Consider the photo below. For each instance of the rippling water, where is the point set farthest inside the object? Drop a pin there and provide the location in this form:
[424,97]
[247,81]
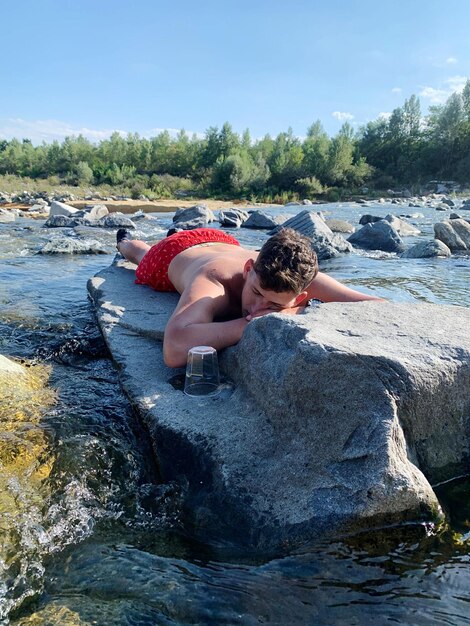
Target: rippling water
[90,534]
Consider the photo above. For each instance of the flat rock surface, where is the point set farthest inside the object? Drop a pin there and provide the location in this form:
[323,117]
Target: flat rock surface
[338,419]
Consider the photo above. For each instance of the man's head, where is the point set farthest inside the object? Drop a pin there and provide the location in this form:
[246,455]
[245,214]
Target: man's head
[284,268]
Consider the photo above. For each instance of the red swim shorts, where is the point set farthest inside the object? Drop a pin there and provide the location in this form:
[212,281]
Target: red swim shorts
[153,269]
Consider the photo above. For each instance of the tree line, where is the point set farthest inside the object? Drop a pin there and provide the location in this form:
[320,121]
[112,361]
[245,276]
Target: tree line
[402,149]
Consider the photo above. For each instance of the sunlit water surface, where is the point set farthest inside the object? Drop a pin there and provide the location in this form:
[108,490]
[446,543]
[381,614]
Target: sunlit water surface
[89,533]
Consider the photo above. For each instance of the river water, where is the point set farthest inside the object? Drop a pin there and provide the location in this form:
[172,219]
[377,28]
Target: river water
[91,535]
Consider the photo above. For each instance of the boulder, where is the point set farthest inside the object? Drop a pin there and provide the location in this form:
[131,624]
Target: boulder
[339,430]
[340,226]
[368,219]
[115,220]
[326,244]
[442,207]
[95,212]
[69,245]
[197,216]
[307,202]
[61,221]
[60,208]
[378,236]
[232,218]
[259,219]
[404,229]
[448,201]
[427,249]
[454,233]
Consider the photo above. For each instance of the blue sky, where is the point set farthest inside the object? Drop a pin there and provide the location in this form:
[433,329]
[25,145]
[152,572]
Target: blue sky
[94,66]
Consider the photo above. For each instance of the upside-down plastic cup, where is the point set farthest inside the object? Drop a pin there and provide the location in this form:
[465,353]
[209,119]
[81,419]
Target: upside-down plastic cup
[202,372]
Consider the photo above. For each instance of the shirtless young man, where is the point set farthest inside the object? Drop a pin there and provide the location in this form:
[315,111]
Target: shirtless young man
[223,286]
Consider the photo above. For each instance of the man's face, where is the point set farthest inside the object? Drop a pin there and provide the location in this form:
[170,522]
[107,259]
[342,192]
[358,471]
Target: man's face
[256,299]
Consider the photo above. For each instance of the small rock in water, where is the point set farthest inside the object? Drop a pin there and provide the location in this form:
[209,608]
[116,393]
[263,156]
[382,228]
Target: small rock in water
[68,245]
[427,249]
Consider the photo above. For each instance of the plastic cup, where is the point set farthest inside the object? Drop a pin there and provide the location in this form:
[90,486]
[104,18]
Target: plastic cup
[202,372]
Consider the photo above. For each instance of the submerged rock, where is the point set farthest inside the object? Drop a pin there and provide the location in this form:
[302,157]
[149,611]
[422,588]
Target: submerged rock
[69,245]
[355,411]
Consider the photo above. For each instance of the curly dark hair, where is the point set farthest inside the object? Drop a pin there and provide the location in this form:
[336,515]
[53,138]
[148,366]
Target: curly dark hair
[286,262]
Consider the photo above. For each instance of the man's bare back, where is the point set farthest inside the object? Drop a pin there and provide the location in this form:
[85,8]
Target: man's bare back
[221,293]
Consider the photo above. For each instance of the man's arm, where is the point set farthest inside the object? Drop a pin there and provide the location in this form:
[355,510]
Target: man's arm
[192,322]
[327,289]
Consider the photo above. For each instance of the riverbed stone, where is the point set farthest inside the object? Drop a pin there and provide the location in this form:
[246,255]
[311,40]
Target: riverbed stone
[378,236]
[60,208]
[403,228]
[367,218]
[325,242]
[454,233]
[427,249]
[114,220]
[198,216]
[61,221]
[71,245]
[356,409]
[232,218]
[340,226]
[261,220]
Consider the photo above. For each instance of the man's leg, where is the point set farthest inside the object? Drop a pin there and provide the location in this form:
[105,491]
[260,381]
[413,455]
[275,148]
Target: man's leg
[133,250]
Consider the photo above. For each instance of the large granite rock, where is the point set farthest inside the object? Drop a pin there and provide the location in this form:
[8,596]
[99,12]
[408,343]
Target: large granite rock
[325,242]
[378,236]
[339,419]
[198,216]
[454,233]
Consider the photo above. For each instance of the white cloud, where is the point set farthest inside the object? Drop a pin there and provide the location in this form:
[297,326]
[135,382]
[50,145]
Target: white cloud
[451,85]
[342,116]
[385,115]
[451,60]
[456,83]
[397,90]
[49,130]
[435,96]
